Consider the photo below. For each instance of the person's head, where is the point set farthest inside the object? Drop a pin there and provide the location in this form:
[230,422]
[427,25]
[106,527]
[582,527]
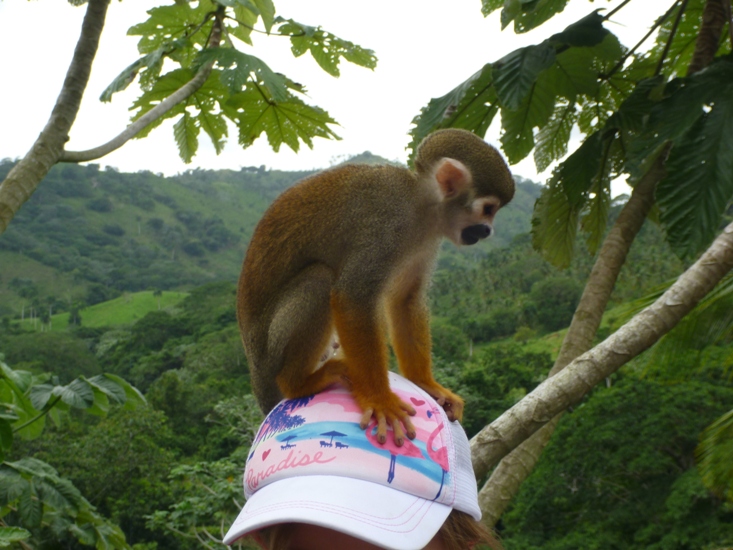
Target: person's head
[313,472]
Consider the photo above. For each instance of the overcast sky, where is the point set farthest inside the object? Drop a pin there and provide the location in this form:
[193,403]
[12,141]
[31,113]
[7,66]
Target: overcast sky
[424,49]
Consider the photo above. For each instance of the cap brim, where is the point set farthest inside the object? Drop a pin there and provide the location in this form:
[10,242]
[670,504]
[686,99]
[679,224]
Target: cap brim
[365,510]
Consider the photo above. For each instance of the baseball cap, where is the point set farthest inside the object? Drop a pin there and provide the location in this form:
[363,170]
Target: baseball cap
[311,463]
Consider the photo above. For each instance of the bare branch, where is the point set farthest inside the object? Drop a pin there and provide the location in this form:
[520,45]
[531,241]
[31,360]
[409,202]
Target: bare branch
[631,52]
[571,384]
[180,95]
[672,33]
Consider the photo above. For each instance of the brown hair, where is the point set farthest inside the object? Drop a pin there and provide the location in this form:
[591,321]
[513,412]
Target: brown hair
[459,532]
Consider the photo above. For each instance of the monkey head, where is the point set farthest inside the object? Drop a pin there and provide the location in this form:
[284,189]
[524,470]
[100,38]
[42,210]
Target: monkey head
[472,179]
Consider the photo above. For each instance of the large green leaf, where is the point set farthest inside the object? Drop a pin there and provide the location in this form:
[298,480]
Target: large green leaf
[33,467]
[535,12]
[78,394]
[19,380]
[699,182]
[583,176]
[11,535]
[671,118]
[11,484]
[58,493]
[713,456]
[168,23]
[572,73]
[239,68]
[245,15]
[634,111]
[40,395]
[287,122]
[579,171]
[325,48]
[152,63]
[186,132]
[7,411]
[30,507]
[510,11]
[515,74]
[595,218]
[553,137]
[133,396]
[587,31]
[443,111]
[555,225]
[113,390]
[165,86]
[518,124]
[267,12]
[13,385]
[490,6]
[476,111]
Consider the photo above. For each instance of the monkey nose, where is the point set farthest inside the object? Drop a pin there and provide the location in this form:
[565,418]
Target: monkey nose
[473,233]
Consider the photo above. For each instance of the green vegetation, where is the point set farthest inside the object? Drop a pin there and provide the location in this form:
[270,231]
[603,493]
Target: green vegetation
[42,506]
[124,310]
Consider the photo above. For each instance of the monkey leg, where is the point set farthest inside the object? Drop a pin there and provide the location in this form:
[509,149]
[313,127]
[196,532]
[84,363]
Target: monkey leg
[301,329]
[365,361]
[409,323]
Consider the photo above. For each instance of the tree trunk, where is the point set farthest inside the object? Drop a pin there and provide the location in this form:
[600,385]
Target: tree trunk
[714,18]
[25,176]
[506,479]
[514,468]
[572,383]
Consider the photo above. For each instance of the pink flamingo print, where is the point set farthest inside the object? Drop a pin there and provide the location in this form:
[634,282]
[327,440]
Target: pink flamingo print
[438,455]
[407,449]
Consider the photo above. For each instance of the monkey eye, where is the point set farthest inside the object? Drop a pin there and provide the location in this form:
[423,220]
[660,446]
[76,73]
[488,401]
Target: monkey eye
[489,209]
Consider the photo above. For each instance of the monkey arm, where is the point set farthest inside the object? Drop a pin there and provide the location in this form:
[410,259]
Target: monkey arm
[409,322]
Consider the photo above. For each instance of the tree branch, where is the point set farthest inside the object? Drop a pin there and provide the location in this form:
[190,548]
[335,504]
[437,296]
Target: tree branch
[25,176]
[714,18]
[570,385]
[672,33]
[180,95]
[498,491]
[631,52]
[615,10]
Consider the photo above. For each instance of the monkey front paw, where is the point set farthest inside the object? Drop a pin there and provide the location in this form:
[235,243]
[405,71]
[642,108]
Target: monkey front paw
[451,403]
[390,412]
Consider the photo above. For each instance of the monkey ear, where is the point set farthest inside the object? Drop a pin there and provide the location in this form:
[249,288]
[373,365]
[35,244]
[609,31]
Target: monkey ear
[452,177]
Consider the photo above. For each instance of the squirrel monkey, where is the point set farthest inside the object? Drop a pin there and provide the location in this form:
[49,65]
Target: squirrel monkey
[351,250]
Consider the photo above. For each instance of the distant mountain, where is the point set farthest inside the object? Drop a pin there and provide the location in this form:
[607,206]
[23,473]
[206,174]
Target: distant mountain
[87,234]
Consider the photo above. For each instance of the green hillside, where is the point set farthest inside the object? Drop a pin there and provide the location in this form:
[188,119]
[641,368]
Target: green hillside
[88,235]
[124,310]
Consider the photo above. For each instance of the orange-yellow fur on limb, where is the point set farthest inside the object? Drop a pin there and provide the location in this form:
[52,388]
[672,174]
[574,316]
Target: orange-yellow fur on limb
[347,254]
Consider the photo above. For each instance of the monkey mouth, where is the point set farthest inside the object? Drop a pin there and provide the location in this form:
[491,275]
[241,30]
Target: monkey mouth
[474,233]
